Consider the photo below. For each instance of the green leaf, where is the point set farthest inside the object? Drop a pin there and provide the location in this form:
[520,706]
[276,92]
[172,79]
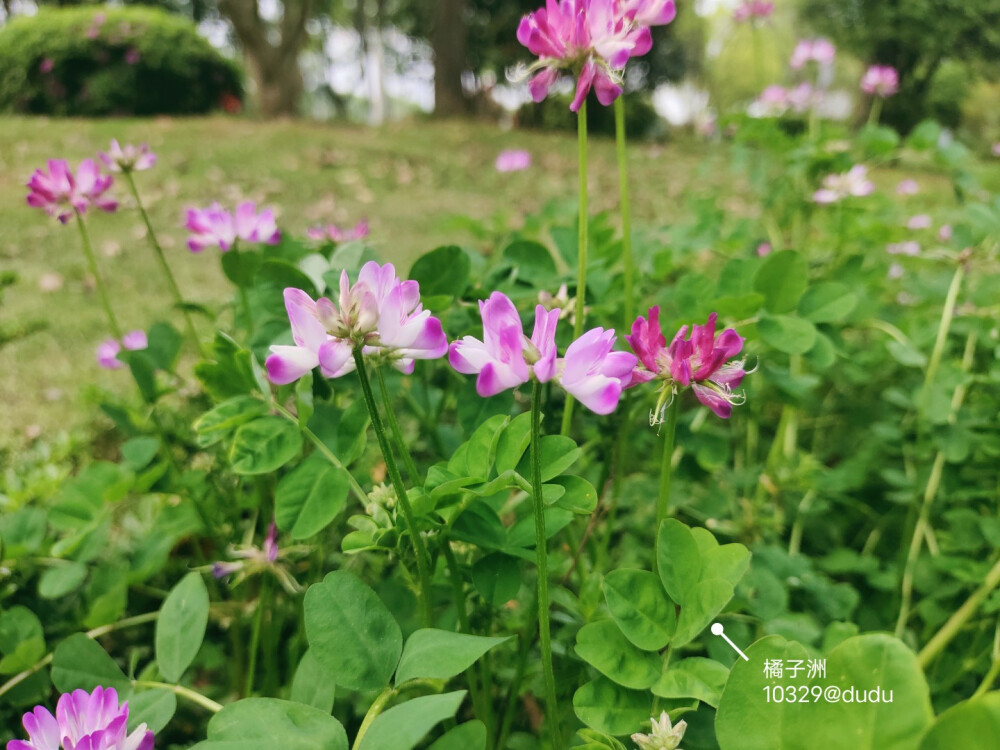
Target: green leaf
[965,725]
[532,259]
[351,632]
[22,639]
[468,736]
[403,726]
[440,654]
[240,266]
[264,445]
[782,279]
[61,580]
[558,453]
[700,606]
[610,708]
[579,495]
[497,578]
[787,334]
[603,645]
[827,302]
[312,685]
[694,677]
[640,608]
[443,271]
[140,451]
[180,628]
[154,708]
[513,442]
[310,496]
[266,723]
[678,559]
[217,423]
[81,663]
[164,344]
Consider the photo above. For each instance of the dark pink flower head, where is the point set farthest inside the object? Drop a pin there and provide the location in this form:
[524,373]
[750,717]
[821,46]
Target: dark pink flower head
[132,57]
[216,227]
[592,39]
[107,350]
[705,362]
[512,160]
[820,51]
[333,233]
[880,80]
[753,10]
[83,721]
[47,65]
[649,12]
[60,192]
[506,358]
[128,158]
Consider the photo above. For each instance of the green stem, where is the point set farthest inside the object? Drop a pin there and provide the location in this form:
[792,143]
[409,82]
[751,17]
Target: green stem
[164,266]
[183,692]
[419,549]
[667,461]
[541,553]
[102,292]
[262,604]
[992,672]
[581,248]
[950,629]
[875,111]
[373,711]
[944,326]
[624,201]
[397,434]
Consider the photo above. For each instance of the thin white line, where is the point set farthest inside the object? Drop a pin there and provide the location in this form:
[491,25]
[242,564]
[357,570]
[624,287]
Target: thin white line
[738,651]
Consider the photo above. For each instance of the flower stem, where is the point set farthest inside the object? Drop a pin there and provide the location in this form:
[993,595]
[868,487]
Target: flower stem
[620,136]
[667,461]
[581,248]
[162,259]
[876,111]
[397,434]
[183,692]
[102,291]
[263,597]
[541,553]
[944,326]
[373,711]
[419,549]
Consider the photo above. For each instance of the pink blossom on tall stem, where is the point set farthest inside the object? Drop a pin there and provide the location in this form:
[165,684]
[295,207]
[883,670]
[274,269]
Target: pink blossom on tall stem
[214,226]
[837,187]
[753,10]
[820,51]
[313,347]
[880,80]
[335,234]
[60,192]
[83,721]
[705,362]
[108,350]
[512,160]
[128,158]
[505,358]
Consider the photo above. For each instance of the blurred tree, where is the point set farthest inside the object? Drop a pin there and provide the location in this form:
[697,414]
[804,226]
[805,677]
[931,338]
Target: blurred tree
[915,37]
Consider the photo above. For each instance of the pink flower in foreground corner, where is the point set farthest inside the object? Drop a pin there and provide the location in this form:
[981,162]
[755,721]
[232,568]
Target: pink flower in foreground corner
[60,192]
[836,187]
[128,158]
[333,233]
[880,80]
[512,160]
[107,350]
[83,721]
[380,313]
[705,362]
[505,358]
[214,226]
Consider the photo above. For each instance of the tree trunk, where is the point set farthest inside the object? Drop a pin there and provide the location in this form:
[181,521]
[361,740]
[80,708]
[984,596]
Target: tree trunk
[449,44]
[273,59]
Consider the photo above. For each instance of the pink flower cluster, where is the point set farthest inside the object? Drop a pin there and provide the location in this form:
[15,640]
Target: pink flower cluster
[512,160]
[776,100]
[214,226]
[590,371]
[335,234]
[705,362]
[837,187]
[820,51]
[128,158]
[60,192]
[593,39]
[752,10]
[880,80]
[379,313]
[108,350]
[83,721]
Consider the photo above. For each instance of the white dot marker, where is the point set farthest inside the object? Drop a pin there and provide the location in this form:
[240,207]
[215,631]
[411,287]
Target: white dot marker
[718,629]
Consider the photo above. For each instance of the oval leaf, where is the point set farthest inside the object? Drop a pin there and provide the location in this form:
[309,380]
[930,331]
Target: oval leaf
[603,645]
[440,654]
[264,445]
[610,708]
[180,628]
[640,607]
[310,496]
[403,726]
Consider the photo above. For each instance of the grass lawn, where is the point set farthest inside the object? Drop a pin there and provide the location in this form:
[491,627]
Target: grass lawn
[408,180]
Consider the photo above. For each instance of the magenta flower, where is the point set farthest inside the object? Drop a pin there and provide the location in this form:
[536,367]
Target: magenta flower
[214,226]
[132,57]
[107,350]
[60,192]
[819,51]
[907,187]
[505,358]
[47,65]
[593,39]
[249,560]
[512,160]
[753,10]
[764,249]
[380,313]
[337,235]
[705,362]
[649,12]
[880,80]
[837,187]
[83,721]
[128,158]
[802,97]
[920,221]
[945,232]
